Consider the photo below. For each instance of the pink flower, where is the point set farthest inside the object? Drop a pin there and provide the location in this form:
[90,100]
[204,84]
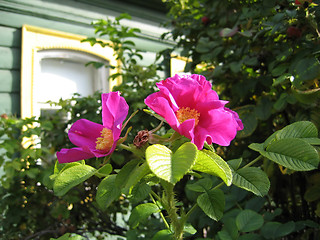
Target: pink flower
[93,139]
[194,110]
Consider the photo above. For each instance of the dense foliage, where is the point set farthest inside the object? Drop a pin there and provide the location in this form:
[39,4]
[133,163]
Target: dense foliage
[262,56]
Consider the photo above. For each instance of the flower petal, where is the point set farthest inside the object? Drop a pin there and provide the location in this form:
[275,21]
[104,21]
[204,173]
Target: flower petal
[114,110]
[158,103]
[219,127]
[73,155]
[85,133]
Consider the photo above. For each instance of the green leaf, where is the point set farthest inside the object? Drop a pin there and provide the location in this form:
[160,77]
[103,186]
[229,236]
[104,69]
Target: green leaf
[248,221]
[306,69]
[122,176]
[135,176]
[104,170]
[281,79]
[141,212]
[249,120]
[164,234]
[263,108]
[211,163]
[292,153]
[228,32]
[301,129]
[140,192]
[68,236]
[189,229]
[171,167]
[235,163]
[250,236]
[279,70]
[202,185]
[107,192]
[229,230]
[276,230]
[252,179]
[71,177]
[312,193]
[212,203]
[290,146]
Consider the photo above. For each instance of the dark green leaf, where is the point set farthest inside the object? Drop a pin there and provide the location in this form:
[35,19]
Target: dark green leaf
[248,221]
[252,179]
[292,153]
[212,203]
[276,230]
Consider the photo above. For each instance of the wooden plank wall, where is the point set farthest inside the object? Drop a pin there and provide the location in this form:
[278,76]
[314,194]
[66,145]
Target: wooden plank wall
[10,58]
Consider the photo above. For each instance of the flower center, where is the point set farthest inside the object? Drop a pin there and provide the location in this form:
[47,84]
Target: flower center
[105,142]
[186,113]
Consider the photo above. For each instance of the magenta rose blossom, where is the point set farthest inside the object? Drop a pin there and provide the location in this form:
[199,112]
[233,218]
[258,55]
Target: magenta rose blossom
[194,110]
[93,139]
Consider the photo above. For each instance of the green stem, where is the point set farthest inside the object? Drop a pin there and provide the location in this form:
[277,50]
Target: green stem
[123,146]
[253,161]
[170,206]
[161,214]
[191,210]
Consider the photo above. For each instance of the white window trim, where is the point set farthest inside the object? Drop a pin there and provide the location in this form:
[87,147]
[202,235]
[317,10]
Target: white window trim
[35,40]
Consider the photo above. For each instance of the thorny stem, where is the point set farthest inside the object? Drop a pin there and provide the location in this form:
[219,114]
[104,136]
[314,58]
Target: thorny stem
[170,205]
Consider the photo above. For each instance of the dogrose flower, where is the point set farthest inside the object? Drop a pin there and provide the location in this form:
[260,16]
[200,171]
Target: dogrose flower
[93,139]
[194,110]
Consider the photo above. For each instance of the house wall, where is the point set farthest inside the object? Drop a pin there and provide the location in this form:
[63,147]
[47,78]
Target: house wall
[70,16]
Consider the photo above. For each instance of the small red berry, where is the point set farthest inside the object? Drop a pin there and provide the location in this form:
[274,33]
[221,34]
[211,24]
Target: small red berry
[205,20]
[301,2]
[293,32]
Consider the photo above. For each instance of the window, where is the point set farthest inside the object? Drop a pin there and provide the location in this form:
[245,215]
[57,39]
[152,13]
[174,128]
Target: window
[53,67]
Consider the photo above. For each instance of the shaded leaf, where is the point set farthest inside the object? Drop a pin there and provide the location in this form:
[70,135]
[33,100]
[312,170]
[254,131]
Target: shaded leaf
[252,179]
[248,221]
[275,230]
[212,203]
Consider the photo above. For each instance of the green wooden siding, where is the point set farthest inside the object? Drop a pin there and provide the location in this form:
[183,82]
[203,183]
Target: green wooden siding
[10,61]
[10,81]
[68,16]
[10,37]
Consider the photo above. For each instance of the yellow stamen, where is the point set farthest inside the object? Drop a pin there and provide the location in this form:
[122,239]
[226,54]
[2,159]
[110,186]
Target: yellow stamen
[186,113]
[105,142]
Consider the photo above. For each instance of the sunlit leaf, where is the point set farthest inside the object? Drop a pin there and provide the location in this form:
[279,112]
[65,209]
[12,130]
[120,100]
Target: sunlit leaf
[168,166]
[141,212]
[71,177]
[107,192]
[211,163]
